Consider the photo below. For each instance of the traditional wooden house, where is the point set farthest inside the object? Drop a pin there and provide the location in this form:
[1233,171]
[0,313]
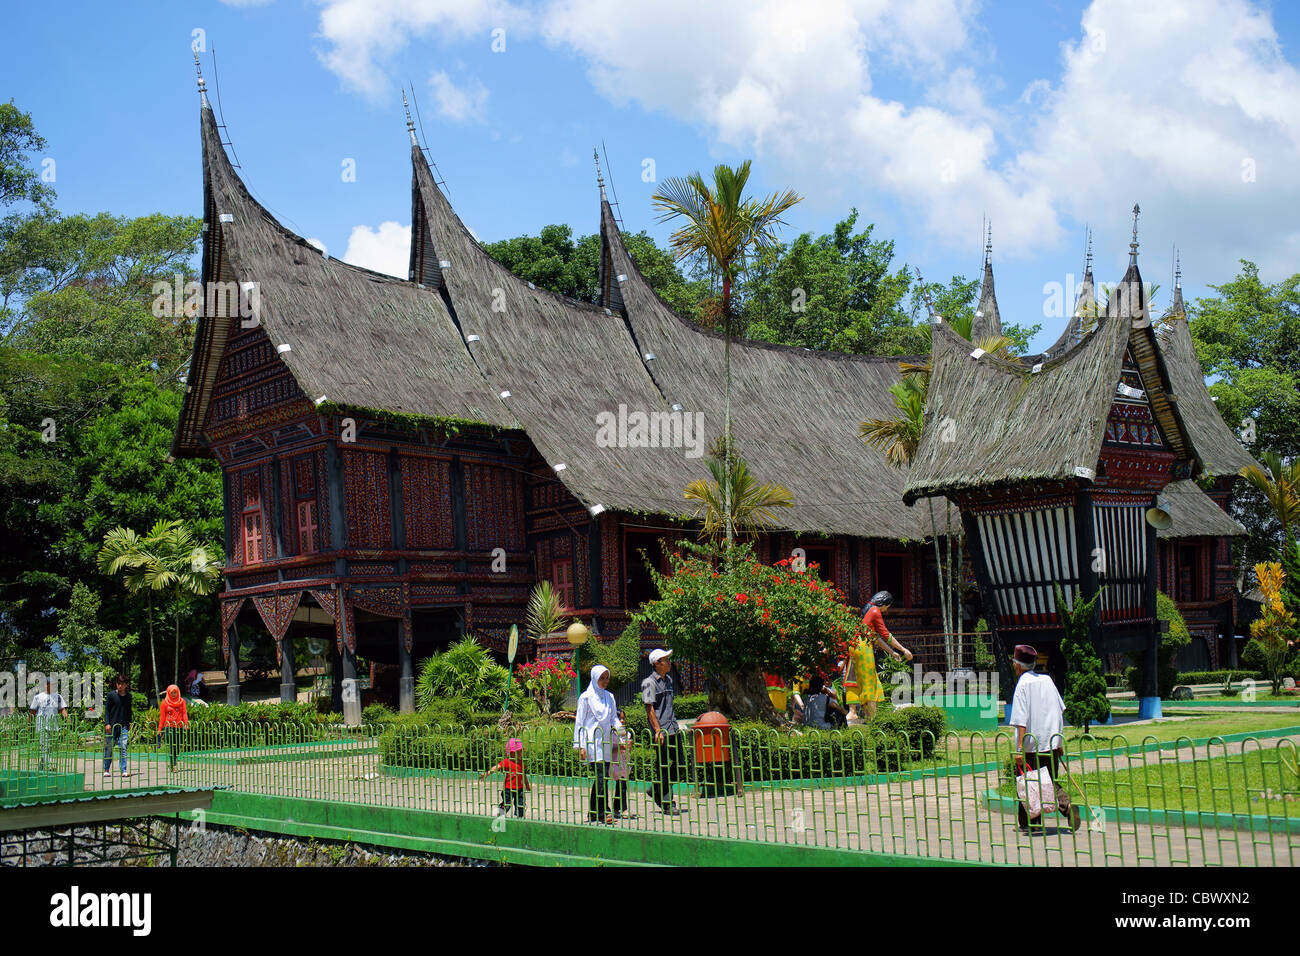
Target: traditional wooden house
[1069,467]
[404,459]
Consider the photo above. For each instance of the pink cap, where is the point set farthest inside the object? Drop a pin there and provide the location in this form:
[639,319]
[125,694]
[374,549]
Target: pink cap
[514,744]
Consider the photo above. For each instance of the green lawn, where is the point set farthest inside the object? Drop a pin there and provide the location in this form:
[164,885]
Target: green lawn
[1256,783]
[979,746]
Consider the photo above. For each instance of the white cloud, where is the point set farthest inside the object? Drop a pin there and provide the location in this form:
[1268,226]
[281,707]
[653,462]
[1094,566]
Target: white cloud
[458,103]
[1174,106]
[363,33]
[386,249]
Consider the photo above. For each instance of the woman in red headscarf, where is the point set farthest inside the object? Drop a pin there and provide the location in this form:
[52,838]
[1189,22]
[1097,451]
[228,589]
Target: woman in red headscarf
[172,717]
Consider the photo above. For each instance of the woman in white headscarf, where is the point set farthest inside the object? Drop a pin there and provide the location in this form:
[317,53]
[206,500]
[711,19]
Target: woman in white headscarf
[593,738]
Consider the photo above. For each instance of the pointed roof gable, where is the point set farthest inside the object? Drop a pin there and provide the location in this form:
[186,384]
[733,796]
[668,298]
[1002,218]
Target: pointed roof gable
[988,321]
[991,422]
[355,337]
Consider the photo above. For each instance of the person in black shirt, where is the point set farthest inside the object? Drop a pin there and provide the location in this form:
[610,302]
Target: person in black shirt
[117,724]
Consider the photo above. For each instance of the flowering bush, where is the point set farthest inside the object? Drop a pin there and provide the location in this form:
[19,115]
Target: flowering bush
[1270,645]
[547,678]
[735,616]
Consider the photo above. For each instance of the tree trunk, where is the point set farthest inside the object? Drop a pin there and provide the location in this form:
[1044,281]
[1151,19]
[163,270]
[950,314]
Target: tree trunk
[153,655]
[176,658]
[726,440]
[742,695]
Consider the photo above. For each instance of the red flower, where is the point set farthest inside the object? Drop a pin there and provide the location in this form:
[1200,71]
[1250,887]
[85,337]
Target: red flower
[742,598]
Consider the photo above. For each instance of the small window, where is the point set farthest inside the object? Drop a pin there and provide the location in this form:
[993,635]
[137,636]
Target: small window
[1189,573]
[252,538]
[306,527]
[562,581]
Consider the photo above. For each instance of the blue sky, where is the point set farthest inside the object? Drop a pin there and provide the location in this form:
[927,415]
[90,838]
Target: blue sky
[927,116]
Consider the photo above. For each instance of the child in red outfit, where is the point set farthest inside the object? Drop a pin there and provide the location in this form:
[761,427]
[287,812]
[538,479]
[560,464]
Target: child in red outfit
[516,779]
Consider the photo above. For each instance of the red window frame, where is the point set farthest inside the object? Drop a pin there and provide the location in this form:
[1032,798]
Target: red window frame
[307,527]
[562,581]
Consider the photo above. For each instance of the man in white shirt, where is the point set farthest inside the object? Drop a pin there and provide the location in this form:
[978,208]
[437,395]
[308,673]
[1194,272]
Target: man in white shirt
[46,708]
[1037,714]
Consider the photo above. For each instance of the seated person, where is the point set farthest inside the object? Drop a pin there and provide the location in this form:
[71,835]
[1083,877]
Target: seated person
[819,707]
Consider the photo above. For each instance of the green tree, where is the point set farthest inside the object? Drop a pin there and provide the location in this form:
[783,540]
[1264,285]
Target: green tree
[1248,340]
[734,499]
[103,288]
[85,646]
[189,570]
[739,619]
[1279,484]
[722,229]
[19,182]
[1085,684]
[1172,640]
[465,671]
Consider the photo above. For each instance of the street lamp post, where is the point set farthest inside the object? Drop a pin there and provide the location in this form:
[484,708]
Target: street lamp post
[577,635]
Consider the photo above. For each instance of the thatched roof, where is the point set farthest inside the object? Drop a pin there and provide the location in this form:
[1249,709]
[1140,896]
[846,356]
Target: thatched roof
[992,422]
[795,413]
[1195,514]
[565,364]
[1220,452]
[356,337]
[987,323]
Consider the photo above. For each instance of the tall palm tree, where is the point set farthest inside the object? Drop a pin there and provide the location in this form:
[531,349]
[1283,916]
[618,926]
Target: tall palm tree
[725,229]
[734,500]
[1279,483]
[545,613]
[164,560]
[189,570]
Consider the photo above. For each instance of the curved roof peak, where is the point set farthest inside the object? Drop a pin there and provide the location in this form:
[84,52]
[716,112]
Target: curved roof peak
[988,321]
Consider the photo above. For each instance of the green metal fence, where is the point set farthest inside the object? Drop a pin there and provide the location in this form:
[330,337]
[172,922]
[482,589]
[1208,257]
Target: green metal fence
[951,797]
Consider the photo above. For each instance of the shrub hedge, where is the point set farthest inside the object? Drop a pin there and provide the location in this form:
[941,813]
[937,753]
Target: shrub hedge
[761,753]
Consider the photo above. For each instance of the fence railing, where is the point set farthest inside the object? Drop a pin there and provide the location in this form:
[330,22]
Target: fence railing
[1145,802]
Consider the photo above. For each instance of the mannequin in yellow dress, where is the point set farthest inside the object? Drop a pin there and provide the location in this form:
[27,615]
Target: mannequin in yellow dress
[861,683]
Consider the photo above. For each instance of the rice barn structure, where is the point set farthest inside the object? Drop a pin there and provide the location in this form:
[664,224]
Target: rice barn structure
[404,459]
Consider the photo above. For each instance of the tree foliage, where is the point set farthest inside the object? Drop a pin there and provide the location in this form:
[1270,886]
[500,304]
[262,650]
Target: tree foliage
[1085,684]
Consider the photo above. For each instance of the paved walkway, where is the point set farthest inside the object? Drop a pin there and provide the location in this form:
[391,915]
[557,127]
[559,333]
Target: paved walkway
[942,817]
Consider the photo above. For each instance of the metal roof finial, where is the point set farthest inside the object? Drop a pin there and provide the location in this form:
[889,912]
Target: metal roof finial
[1133,246]
[988,243]
[410,126]
[1178,269]
[203,87]
[600,179]
[1087,256]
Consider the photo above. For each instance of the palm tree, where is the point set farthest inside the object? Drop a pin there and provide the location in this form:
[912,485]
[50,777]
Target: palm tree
[189,570]
[725,229]
[735,501]
[545,614]
[165,559]
[1280,485]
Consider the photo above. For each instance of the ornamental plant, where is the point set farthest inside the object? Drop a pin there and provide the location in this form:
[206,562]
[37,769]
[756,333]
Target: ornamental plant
[1085,685]
[738,618]
[1271,642]
[547,679]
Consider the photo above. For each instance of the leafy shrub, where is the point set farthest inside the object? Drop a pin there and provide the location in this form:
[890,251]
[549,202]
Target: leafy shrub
[1215,677]
[465,670]
[219,727]
[378,715]
[622,656]
[1171,642]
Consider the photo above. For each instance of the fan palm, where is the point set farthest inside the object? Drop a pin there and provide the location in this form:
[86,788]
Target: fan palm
[724,229]
[164,560]
[734,500]
[1279,483]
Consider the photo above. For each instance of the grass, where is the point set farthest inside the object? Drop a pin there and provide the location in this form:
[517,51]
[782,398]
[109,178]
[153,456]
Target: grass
[980,746]
[1258,783]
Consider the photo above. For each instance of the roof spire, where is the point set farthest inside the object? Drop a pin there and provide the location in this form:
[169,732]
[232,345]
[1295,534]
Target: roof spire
[600,179]
[410,126]
[1178,308]
[988,244]
[203,87]
[1087,256]
[1133,246]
